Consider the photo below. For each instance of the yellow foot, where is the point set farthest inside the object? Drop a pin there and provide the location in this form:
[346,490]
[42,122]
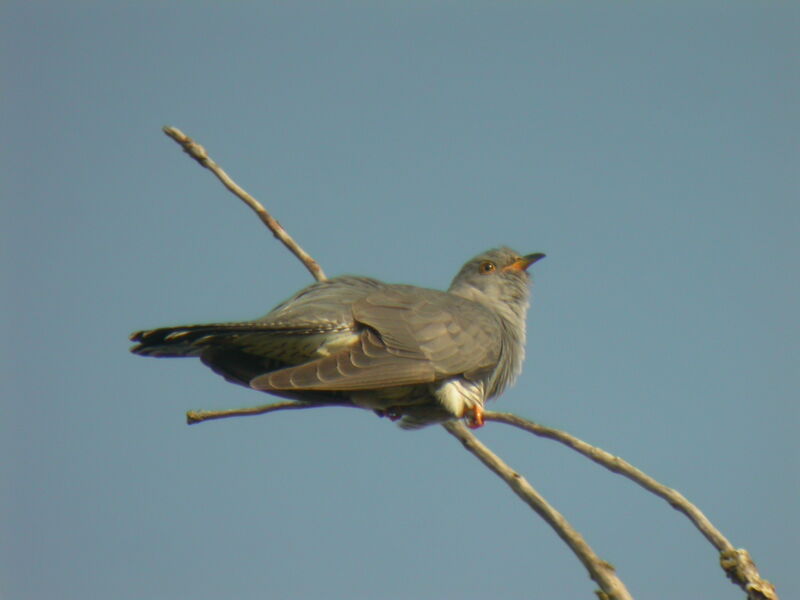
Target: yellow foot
[474,416]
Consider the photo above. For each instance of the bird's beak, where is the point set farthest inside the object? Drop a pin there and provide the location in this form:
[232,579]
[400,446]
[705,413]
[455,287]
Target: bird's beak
[523,263]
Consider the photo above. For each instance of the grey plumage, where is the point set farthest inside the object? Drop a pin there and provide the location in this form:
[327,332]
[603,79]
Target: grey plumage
[421,355]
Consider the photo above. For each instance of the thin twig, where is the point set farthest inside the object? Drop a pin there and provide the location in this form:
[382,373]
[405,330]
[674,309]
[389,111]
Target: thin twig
[198,416]
[737,563]
[197,152]
[602,572]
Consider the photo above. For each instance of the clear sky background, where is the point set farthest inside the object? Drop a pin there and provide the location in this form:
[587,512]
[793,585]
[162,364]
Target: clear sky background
[650,149]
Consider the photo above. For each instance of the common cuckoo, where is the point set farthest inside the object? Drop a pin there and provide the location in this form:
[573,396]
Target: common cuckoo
[419,355]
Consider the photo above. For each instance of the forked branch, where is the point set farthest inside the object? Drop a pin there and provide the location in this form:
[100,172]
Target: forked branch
[737,563]
[601,571]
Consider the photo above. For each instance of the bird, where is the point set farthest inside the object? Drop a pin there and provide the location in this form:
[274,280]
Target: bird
[416,355]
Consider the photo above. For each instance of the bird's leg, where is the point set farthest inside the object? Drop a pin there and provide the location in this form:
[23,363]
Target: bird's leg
[474,416]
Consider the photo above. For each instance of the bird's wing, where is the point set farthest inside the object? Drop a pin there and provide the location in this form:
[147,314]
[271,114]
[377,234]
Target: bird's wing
[322,306]
[455,334]
[410,336]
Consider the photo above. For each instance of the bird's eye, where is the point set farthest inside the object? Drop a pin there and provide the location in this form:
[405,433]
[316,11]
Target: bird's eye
[487,266]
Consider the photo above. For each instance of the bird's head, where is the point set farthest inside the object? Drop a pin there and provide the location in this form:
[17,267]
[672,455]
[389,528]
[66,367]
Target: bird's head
[498,279]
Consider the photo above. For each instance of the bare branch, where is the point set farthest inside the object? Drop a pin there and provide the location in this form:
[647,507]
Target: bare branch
[741,569]
[737,563]
[602,572]
[198,416]
[197,152]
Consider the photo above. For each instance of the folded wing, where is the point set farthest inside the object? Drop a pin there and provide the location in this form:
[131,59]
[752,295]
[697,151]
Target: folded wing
[408,336]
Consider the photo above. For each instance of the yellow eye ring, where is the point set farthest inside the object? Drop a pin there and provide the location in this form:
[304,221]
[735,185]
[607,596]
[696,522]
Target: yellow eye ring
[486,267]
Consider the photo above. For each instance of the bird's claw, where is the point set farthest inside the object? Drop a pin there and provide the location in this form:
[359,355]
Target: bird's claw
[474,416]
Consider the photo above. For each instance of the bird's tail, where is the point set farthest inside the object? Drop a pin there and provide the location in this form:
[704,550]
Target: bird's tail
[184,340]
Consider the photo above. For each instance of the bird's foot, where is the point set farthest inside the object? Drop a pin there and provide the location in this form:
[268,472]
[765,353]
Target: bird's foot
[474,416]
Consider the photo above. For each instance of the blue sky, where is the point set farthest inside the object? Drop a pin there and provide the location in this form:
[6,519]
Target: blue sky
[651,150]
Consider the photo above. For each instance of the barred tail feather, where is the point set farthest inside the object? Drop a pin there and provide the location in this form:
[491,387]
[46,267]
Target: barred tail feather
[186,340]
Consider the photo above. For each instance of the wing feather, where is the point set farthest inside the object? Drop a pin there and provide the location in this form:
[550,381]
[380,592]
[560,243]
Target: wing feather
[455,334]
[410,336]
[365,366]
